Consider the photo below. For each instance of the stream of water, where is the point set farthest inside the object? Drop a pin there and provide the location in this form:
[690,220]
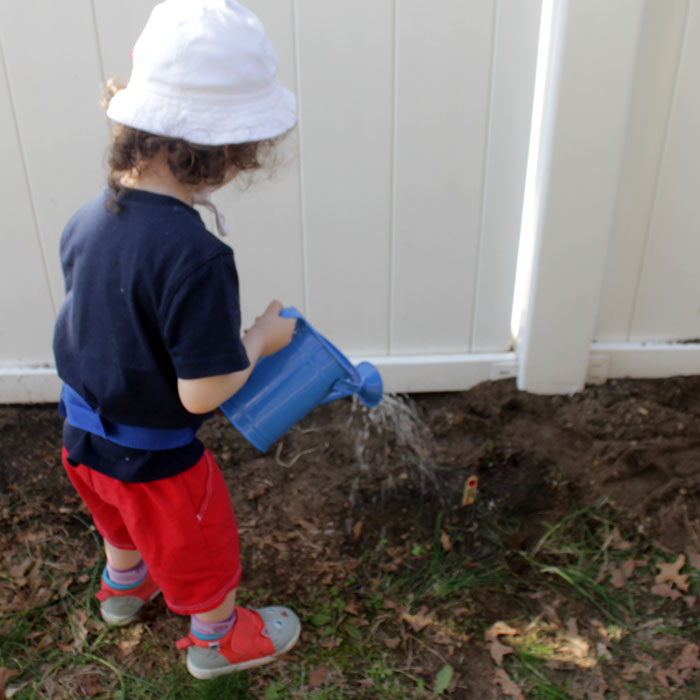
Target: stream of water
[393,445]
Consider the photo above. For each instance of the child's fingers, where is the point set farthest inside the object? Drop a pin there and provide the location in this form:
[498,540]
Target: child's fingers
[274,307]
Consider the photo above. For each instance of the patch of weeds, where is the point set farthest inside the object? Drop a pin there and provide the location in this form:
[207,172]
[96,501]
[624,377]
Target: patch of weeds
[574,554]
[437,572]
[606,626]
[530,672]
[584,620]
[542,690]
[342,653]
[234,686]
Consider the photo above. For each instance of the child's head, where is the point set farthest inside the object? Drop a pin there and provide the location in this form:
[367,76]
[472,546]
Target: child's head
[204,90]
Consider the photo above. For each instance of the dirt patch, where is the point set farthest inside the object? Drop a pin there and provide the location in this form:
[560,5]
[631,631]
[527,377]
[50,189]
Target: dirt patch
[347,479]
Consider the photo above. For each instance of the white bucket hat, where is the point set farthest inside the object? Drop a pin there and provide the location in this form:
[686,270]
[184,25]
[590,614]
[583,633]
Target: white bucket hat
[206,72]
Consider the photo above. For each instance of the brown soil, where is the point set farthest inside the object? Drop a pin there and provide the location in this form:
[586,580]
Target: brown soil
[346,478]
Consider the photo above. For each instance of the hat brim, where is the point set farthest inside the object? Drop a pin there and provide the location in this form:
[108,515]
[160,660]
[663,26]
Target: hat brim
[206,122]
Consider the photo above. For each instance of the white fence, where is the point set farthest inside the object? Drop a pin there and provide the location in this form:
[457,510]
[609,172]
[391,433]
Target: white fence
[395,224]
[618,240]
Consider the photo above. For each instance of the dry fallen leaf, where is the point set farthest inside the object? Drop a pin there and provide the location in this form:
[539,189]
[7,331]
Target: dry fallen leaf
[603,651]
[330,642]
[671,573]
[618,575]
[351,609]
[617,578]
[499,628]
[496,648]
[445,541]
[665,591]
[91,686]
[19,570]
[578,645]
[318,677]
[391,642]
[64,585]
[419,620]
[443,638]
[498,651]
[78,621]
[5,675]
[689,660]
[310,528]
[617,541]
[131,638]
[693,557]
[507,686]
[35,574]
[628,568]
[572,627]
[662,677]
[258,492]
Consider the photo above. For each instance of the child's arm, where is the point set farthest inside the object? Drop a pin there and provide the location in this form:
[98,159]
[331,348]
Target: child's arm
[269,333]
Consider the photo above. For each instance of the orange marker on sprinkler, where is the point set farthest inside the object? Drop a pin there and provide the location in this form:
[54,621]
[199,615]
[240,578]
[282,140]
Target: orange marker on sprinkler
[470,490]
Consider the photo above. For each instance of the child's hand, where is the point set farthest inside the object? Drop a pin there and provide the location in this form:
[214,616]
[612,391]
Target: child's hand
[269,333]
[276,331]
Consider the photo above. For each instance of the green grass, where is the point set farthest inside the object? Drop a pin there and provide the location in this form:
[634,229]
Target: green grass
[447,576]
[51,636]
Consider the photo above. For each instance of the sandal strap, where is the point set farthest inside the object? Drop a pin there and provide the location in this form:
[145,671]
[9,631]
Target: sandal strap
[247,639]
[145,590]
[184,643]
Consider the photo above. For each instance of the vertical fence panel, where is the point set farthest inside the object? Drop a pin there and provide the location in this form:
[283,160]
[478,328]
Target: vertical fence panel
[443,73]
[118,26]
[265,218]
[346,55]
[661,41]
[26,307]
[668,301]
[53,67]
[512,89]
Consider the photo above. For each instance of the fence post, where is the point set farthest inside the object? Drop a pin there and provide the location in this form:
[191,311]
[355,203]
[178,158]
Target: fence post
[586,111]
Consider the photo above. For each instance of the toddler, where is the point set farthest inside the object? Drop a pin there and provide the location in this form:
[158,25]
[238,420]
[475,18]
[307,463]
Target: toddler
[148,339]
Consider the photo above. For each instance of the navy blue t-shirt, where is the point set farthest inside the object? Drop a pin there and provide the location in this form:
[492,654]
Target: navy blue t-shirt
[151,295]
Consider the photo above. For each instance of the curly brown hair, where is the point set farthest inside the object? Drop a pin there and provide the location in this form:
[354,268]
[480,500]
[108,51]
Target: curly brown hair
[191,164]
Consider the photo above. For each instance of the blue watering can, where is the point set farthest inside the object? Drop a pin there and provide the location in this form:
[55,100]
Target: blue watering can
[287,385]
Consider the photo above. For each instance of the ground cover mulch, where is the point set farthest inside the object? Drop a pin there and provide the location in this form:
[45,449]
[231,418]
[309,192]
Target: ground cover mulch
[369,505]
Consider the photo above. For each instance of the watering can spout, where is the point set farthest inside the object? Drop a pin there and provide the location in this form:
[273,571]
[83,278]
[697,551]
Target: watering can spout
[371,389]
[367,385]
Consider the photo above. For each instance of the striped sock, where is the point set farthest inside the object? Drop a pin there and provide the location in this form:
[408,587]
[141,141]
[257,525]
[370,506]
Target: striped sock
[209,631]
[126,578]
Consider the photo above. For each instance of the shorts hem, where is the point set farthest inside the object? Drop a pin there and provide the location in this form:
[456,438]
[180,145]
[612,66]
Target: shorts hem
[126,546]
[210,604]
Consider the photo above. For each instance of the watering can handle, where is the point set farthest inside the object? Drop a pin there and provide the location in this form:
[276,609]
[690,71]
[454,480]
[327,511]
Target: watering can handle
[291,312]
[369,387]
[342,387]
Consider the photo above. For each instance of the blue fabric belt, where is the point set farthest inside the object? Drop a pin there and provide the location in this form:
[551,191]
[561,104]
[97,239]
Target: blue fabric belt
[80,414]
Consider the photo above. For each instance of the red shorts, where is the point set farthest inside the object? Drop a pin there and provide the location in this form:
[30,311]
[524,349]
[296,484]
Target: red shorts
[183,526]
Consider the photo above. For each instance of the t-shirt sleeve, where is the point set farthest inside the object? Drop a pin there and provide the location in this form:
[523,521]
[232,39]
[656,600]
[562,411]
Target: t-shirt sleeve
[202,325]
